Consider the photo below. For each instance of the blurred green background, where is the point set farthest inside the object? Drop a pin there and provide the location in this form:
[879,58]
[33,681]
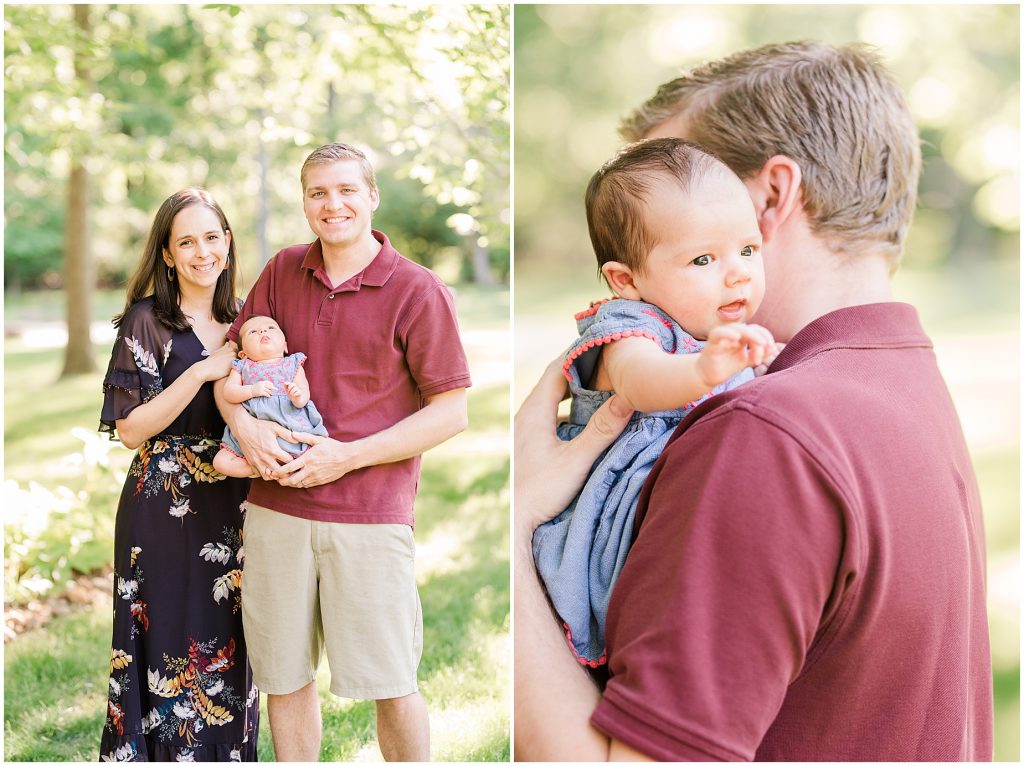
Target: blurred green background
[580,69]
[111,108]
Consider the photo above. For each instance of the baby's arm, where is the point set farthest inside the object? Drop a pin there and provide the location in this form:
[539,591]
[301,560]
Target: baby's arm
[650,379]
[236,393]
[298,389]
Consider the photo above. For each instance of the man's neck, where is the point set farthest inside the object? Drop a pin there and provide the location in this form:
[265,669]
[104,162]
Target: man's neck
[820,281]
[343,262]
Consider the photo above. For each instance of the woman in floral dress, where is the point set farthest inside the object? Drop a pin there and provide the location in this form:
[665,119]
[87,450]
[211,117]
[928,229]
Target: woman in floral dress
[180,685]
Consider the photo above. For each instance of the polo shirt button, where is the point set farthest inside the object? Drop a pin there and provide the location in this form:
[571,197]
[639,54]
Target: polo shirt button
[331,296]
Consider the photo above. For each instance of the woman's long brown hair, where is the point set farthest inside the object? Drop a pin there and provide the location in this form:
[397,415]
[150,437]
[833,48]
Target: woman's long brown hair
[150,277]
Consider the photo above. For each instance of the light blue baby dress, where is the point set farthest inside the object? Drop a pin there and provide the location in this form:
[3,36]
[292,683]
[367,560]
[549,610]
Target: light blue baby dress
[581,551]
[276,407]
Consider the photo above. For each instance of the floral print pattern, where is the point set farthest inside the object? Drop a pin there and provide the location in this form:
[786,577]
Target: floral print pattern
[180,686]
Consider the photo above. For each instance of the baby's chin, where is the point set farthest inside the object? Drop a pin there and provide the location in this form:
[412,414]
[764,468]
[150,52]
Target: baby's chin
[265,357]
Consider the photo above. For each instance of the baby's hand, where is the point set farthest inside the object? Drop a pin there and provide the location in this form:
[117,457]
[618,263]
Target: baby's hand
[731,348]
[762,369]
[263,388]
[295,393]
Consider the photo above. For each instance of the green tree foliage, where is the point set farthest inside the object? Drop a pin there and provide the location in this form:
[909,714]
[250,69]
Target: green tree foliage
[578,71]
[233,98]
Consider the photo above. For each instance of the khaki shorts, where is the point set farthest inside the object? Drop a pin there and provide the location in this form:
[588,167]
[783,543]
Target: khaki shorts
[350,588]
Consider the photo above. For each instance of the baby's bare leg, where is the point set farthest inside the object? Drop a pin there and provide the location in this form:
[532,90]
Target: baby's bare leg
[230,464]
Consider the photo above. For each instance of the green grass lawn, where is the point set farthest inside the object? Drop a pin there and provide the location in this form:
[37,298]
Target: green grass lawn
[55,677]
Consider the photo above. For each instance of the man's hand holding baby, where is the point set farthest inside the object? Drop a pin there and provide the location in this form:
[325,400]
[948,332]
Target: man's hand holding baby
[325,461]
[733,347]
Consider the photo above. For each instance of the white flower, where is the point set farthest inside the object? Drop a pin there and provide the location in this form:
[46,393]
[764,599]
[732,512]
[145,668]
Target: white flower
[240,555]
[197,726]
[151,721]
[185,755]
[183,711]
[244,506]
[215,689]
[180,508]
[236,755]
[127,588]
[115,687]
[167,465]
[184,480]
[124,753]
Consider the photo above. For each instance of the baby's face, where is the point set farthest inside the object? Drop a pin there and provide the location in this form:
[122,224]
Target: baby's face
[261,339]
[705,269]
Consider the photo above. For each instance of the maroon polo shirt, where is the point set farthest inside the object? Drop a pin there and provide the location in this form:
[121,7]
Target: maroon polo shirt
[377,347]
[808,577]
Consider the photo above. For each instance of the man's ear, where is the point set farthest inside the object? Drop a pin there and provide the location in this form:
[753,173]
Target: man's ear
[775,191]
[375,199]
[620,277]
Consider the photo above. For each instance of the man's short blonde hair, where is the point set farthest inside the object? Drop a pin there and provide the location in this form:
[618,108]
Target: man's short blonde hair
[337,152]
[835,111]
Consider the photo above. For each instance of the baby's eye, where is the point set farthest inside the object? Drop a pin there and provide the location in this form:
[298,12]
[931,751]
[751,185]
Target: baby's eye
[701,260]
[747,251]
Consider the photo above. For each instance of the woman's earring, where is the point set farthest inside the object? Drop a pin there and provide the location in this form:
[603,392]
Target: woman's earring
[170,273]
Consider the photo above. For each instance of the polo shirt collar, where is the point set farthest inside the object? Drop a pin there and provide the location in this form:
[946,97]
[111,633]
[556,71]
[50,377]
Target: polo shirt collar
[872,325]
[376,273]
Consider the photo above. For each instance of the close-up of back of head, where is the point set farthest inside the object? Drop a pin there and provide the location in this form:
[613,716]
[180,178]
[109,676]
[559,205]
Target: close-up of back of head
[834,110]
[617,194]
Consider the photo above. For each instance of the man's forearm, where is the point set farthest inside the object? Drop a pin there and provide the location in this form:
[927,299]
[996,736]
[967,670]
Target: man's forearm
[554,695]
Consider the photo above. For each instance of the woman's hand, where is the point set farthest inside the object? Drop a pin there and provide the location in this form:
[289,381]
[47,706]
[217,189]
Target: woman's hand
[218,364]
[549,472]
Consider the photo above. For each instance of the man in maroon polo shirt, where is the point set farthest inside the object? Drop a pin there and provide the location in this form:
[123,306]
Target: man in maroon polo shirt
[808,576]
[328,535]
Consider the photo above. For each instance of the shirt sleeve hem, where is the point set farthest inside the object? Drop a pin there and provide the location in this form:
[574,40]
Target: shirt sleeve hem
[450,384]
[650,735]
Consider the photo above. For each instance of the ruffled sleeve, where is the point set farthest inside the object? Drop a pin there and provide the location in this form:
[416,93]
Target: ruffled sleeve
[134,373]
[241,366]
[295,361]
[611,320]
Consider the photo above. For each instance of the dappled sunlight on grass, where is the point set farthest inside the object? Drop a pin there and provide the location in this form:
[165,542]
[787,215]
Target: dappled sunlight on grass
[56,680]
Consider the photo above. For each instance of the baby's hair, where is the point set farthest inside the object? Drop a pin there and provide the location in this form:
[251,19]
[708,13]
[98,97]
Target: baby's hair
[617,194]
[255,316]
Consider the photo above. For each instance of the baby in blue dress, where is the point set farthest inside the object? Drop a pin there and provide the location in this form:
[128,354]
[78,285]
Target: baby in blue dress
[677,240]
[271,386]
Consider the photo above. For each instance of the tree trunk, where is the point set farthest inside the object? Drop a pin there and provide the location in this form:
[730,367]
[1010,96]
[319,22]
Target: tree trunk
[482,272]
[79,274]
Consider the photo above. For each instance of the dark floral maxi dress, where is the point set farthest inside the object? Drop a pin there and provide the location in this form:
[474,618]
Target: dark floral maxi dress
[180,684]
